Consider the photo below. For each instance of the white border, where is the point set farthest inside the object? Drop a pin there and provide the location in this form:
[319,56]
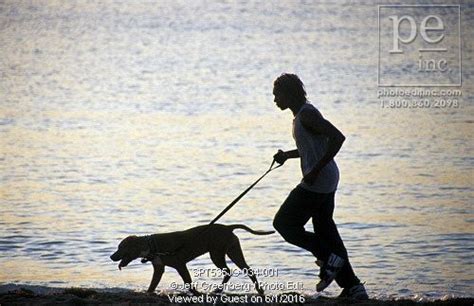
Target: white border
[460,47]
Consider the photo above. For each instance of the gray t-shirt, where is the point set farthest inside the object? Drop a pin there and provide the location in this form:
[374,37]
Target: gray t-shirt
[311,148]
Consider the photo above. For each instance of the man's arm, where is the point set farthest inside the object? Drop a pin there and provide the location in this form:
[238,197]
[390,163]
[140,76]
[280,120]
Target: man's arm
[282,156]
[292,153]
[314,122]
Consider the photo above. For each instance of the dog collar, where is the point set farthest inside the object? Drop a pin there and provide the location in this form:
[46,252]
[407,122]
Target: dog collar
[153,250]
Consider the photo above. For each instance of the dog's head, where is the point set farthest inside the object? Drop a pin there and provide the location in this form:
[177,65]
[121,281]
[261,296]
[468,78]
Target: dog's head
[129,249]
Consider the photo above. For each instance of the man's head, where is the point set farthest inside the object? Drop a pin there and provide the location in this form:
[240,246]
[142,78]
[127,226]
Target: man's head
[288,91]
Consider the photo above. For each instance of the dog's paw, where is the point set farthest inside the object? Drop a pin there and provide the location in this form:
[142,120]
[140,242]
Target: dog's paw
[218,291]
[195,292]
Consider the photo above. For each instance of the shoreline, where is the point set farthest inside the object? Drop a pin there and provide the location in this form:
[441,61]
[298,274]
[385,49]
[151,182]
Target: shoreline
[38,295]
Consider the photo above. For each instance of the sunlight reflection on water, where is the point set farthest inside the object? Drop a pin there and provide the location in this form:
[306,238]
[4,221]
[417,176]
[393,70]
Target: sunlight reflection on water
[133,119]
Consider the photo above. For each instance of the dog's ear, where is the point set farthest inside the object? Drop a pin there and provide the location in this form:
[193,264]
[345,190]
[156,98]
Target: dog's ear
[128,240]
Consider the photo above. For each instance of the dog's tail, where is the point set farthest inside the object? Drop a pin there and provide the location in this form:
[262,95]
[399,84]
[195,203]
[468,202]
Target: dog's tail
[248,229]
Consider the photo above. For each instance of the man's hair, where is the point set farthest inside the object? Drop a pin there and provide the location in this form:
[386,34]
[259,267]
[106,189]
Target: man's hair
[291,86]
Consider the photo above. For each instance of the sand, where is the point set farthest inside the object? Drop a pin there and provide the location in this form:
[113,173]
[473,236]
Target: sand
[76,296]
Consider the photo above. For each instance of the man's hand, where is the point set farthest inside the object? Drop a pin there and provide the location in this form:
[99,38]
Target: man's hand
[280,157]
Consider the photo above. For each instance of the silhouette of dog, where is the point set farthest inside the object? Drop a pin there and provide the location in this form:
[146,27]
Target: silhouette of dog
[175,249]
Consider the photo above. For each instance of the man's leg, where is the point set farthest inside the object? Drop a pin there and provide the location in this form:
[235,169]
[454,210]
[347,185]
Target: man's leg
[291,218]
[324,224]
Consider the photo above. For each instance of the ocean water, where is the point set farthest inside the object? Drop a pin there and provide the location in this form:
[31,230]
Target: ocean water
[121,118]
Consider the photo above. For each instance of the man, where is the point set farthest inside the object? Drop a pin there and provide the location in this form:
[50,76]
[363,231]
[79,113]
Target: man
[317,142]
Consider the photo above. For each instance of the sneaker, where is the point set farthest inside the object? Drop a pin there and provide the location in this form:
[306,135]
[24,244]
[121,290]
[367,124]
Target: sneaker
[355,292]
[329,271]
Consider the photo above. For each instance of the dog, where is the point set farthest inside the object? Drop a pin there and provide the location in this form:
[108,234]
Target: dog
[175,249]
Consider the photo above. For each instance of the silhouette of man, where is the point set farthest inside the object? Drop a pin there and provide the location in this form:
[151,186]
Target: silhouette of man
[317,142]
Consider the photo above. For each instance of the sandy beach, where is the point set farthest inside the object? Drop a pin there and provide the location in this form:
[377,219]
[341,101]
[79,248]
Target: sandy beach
[19,295]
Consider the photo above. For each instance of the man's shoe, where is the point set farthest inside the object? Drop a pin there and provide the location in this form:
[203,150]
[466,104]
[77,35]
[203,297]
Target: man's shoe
[355,292]
[329,271]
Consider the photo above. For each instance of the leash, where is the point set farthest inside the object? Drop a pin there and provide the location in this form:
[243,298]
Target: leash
[237,199]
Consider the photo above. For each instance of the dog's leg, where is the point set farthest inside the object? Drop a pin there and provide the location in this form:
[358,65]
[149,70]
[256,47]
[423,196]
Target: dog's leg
[218,258]
[236,255]
[184,273]
[158,270]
